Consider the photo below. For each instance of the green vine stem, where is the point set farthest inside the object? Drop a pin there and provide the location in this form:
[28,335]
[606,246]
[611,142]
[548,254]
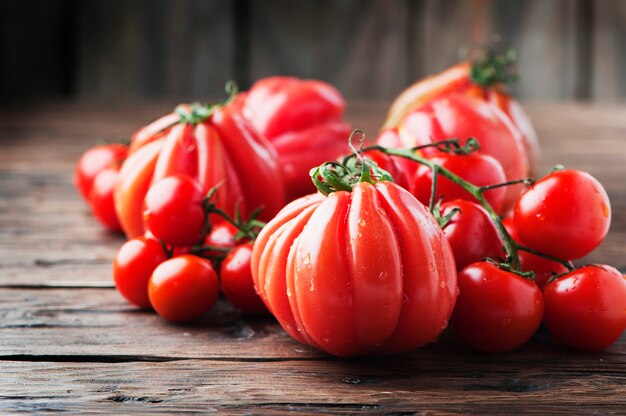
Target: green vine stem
[494,68]
[196,113]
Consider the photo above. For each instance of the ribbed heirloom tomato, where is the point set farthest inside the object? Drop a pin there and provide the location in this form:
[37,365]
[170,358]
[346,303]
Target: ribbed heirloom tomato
[359,272]
[467,100]
[302,118]
[212,144]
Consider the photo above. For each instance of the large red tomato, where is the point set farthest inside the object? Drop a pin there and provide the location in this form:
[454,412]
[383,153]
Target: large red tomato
[213,148]
[466,78]
[356,273]
[303,120]
[454,104]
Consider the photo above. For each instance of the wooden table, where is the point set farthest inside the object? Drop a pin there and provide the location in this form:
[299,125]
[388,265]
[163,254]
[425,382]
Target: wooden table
[69,342]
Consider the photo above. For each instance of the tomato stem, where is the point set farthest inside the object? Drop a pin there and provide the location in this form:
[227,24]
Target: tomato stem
[568,264]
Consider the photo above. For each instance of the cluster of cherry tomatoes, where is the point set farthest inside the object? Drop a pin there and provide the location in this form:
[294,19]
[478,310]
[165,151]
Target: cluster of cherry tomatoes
[366,265]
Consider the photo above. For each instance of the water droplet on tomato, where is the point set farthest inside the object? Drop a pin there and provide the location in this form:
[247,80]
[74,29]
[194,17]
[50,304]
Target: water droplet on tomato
[312,285]
[444,324]
[306,259]
[288,292]
[442,284]
[383,275]
[362,222]
[406,300]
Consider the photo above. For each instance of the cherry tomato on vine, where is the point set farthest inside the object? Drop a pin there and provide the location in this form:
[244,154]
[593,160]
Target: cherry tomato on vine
[476,168]
[586,309]
[94,161]
[237,283]
[222,235]
[392,164]
[565,214]
[471,233]
[543,268]
[101,198]
[183,288]
[497,310]
[132,267]
[175,212]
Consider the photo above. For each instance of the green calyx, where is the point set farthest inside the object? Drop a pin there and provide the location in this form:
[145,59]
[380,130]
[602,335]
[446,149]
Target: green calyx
[196,113]
[495,69]
[343,175]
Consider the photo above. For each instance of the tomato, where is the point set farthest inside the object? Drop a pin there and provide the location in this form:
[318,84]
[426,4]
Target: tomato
[237,283]
[94,161]
[183,288]
[175,212]
[543,268]
[471,233]
[565,214]
[132,267]
[476,168]
[497,310]
[221,148]
[391,164]
[222,235]
[303,120]
[355,273]
[586,309]
[101,198]
[459,79]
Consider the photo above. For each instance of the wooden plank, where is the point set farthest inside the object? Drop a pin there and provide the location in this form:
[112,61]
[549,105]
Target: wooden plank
[372,386]
[100,325]
[144,48]
[609,50]
[358,46]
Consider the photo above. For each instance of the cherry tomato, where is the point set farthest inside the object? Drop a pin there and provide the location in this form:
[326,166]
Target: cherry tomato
[566,214]
[183,288]
[392,164]
[354,273]
[471,233]
[476,168]
[95,160]
[237,283]
[132,267]
[586,309]
[497,310]
[101,198]
[222,235]
[175,212]
[543,268]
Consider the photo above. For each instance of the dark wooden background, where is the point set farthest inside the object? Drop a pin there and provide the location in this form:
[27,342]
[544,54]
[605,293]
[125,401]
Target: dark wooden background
[146,49]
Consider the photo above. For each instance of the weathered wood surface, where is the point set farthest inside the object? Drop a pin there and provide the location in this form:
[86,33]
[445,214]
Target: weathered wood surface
[68,342]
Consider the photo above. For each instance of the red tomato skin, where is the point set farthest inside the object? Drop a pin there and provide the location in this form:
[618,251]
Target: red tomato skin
[462,116]
[586,309]
[101,198]
[313,267]
[94,161]
[222,149]
[174,211]
[237,283]
[497,311]
[222,235]
[391,164]
[183,288]
[566,214]
[476,168]
[302,119]
[543,268]
[132,267]
[471,233]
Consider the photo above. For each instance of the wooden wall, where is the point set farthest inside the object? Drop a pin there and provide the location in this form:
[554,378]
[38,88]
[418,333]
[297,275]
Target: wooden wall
[135,49]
